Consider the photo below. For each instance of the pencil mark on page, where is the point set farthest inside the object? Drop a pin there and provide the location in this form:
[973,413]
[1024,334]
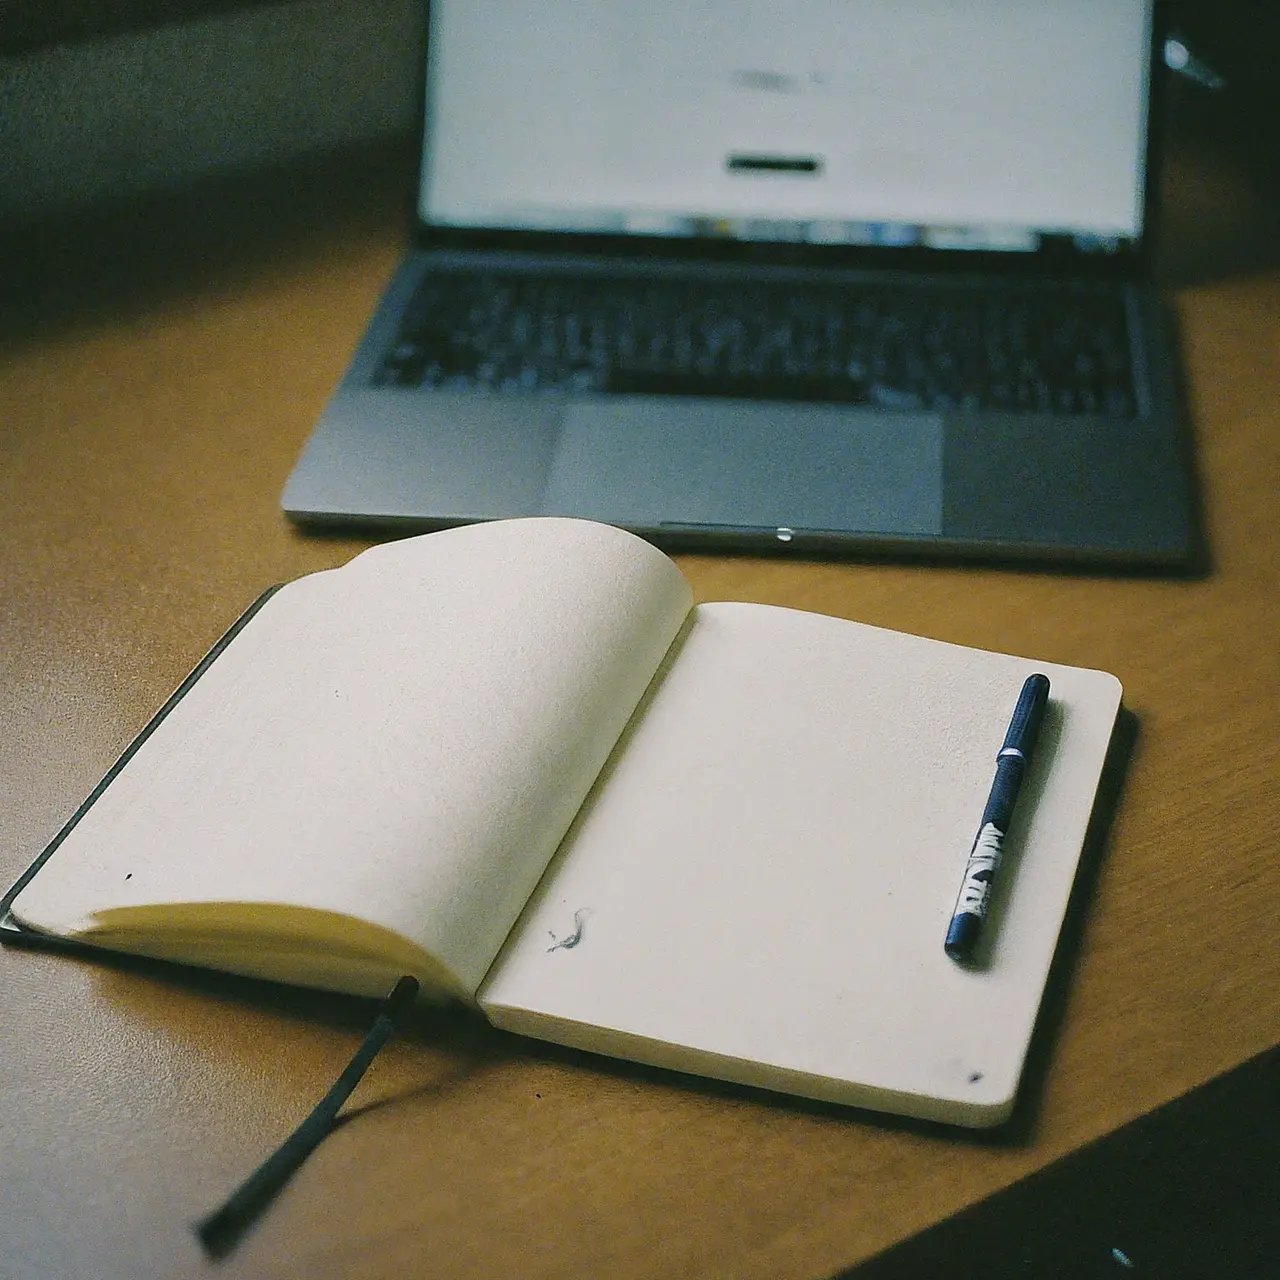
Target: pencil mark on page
[570,940]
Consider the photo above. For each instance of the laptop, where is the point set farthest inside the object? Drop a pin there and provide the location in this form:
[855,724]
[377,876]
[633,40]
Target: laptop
[821,277]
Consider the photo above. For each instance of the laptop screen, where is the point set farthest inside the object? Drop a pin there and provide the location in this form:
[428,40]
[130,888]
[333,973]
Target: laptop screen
[993,124]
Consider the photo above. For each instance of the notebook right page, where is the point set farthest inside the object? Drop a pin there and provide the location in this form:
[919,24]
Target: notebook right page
[759,887]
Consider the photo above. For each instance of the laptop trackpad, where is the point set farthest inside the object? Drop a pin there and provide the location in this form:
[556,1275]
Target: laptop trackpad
[651,461]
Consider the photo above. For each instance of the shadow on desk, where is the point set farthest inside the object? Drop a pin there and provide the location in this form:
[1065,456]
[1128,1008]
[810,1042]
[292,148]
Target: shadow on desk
[1190,1190]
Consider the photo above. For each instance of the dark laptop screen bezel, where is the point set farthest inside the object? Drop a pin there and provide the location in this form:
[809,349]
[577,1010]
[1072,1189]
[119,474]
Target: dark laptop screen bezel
[1061,257]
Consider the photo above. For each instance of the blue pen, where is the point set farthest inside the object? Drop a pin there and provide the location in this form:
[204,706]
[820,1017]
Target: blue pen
[984,858]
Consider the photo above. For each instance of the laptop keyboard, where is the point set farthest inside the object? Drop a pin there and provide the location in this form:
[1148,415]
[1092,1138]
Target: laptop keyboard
[1048,348]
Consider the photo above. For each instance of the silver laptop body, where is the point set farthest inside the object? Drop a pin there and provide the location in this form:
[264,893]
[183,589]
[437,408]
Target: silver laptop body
[816,176]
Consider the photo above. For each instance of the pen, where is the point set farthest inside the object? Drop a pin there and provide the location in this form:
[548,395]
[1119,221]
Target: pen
[984,858]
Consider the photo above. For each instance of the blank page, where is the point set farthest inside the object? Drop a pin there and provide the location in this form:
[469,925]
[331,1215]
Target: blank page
[760,886]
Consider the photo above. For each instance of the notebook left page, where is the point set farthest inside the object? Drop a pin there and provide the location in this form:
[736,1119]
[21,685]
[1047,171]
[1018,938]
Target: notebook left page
[372,777]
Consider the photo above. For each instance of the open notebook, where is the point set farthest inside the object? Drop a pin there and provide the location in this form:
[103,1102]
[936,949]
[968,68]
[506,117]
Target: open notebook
[514,761]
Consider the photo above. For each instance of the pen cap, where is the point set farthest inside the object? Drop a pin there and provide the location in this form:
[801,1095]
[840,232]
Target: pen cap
[1024,727]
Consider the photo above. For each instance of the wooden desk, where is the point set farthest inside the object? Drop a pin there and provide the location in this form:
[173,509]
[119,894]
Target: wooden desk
[154,391]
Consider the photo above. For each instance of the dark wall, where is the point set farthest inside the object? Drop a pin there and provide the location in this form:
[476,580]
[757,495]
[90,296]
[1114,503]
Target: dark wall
[1241,38]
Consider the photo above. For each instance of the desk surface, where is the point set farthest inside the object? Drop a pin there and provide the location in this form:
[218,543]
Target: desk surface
[154,392]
